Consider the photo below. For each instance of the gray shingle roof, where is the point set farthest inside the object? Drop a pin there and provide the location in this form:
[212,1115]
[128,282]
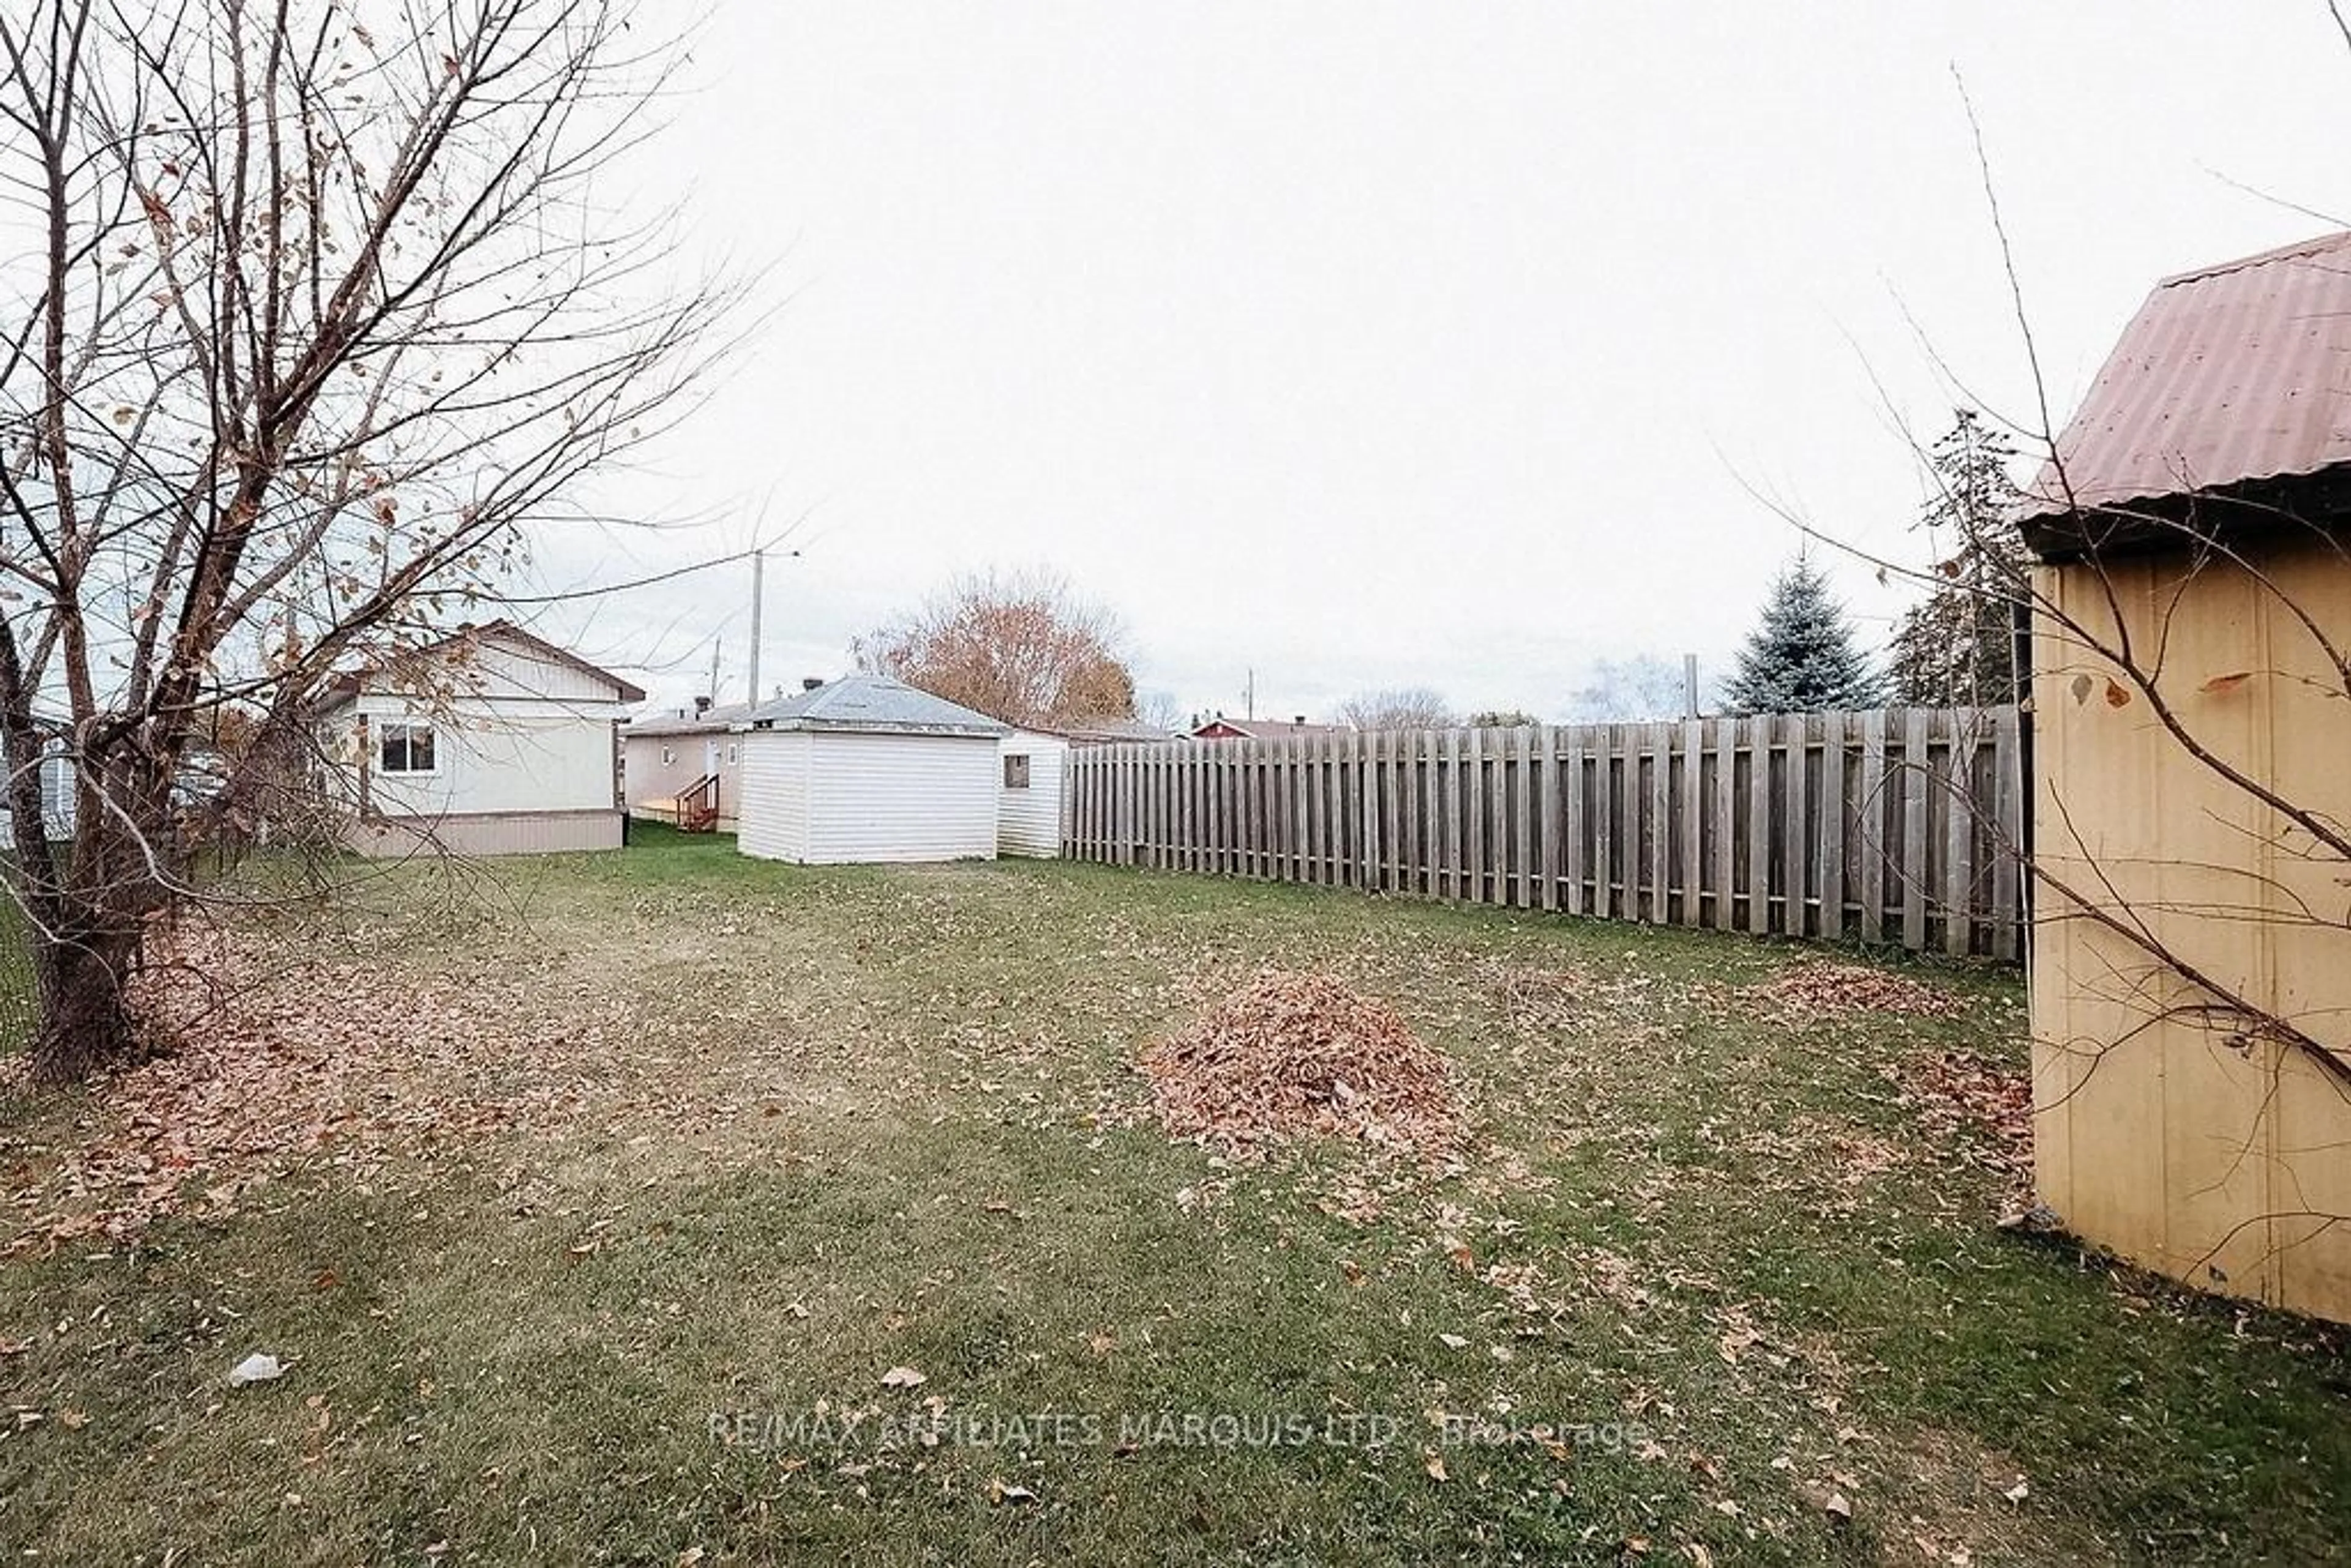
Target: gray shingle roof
[1107,731]
[1270,728]
[710,721]
[870,703]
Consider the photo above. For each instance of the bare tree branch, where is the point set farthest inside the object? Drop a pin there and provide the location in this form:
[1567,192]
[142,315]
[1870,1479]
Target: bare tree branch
[321,326]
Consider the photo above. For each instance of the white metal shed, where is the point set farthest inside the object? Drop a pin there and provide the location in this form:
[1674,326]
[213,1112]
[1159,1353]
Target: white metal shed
[867,768]
[1029,821]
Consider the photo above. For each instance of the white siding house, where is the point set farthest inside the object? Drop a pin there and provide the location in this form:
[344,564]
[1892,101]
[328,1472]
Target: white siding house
[56,803]
[867,768]
[1028,815]
[663,754]
[490,742]
[1029,821]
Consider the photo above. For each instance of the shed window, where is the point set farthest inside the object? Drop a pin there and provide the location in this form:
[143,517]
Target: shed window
[1015,772]
[734,753]
[405,748]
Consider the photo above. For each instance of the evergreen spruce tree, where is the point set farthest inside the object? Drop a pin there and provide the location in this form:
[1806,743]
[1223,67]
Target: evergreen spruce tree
[1958,648]
[1802,658]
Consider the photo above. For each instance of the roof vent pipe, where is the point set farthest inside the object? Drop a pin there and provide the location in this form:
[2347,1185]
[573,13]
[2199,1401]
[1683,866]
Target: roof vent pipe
[810,683]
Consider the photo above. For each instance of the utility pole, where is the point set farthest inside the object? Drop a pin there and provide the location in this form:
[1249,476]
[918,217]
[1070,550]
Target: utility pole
[714,671]
[1689,685]
[759,574]
[1249,694]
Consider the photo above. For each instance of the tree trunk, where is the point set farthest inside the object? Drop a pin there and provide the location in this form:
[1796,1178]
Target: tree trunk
[87,928]
[83,981]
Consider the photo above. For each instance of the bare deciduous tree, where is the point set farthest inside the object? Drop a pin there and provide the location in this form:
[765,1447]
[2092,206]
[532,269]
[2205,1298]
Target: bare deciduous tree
[1636,687]
[1160,710]
[313,324]
[1398,708]
[1022,647]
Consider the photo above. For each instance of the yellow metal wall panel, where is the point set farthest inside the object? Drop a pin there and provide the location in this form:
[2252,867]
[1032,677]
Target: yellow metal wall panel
[2162,1132]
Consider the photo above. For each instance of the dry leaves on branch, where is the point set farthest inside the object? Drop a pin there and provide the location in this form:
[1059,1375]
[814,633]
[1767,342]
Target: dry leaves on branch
[1291,1054]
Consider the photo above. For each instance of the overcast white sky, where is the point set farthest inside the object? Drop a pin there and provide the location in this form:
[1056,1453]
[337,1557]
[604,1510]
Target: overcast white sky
[1368,344]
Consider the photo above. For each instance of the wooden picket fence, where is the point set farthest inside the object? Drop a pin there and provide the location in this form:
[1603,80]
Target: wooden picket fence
[1894,826]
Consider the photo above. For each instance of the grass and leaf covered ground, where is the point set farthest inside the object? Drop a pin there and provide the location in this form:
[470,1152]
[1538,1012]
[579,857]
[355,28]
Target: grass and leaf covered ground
[666,1207]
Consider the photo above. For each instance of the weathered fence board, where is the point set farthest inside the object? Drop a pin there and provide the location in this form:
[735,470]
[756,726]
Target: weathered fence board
[1882,826]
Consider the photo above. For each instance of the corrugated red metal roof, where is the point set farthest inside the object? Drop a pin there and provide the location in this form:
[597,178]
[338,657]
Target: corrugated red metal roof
[2228,374]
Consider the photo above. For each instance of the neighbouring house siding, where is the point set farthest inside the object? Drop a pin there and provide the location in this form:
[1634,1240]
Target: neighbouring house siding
[492,755]
[775,796]
[525,748]
[1029,821]
[646,777]
[56,803]
[2207,1156]
[498,670]
[488,833]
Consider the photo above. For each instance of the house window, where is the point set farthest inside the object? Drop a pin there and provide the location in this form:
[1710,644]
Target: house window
[669,755]
[734,753]
[405,748]
[1015,772]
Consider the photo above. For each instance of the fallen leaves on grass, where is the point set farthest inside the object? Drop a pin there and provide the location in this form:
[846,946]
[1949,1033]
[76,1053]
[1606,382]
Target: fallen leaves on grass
[1613,1278]
[347,1051]
[1534,999]
[261,1077]
[1291,1054]
[1971,1107]
[1864,1156]
[1822,988]
[1739,1334]
[1355,1201]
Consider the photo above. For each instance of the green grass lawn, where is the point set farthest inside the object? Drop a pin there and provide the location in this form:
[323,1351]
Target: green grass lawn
[763,1134]
[16,999]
